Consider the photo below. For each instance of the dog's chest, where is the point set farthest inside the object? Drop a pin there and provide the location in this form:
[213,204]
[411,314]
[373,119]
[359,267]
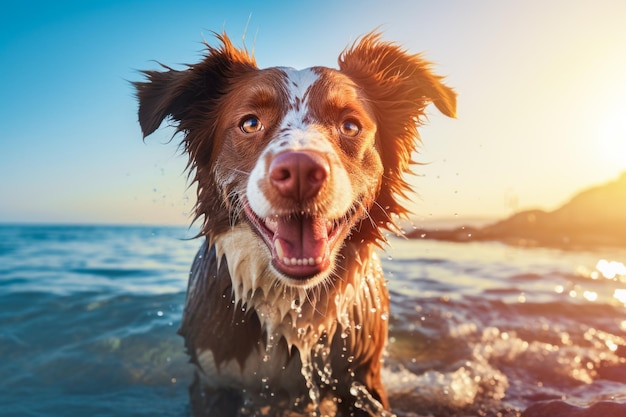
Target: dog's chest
[292,338]
[266,372]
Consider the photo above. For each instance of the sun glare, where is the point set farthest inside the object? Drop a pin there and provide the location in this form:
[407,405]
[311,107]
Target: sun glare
[611,138]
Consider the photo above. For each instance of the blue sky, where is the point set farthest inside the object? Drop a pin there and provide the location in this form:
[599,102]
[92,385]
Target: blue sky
[542,98]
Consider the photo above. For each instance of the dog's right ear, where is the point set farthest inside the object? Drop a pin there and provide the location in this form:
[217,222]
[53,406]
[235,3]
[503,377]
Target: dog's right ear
[164,94]
[176,94]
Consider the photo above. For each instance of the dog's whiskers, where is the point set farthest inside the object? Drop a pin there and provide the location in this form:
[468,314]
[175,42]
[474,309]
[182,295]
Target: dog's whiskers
[239,171]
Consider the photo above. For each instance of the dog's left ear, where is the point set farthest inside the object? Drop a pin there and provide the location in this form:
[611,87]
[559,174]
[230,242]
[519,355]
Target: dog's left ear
[399,86]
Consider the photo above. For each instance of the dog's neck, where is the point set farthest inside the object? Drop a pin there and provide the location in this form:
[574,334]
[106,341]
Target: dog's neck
[299,315]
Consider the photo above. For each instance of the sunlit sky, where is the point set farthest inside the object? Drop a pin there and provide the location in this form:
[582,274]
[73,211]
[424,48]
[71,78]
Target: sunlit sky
[541,106]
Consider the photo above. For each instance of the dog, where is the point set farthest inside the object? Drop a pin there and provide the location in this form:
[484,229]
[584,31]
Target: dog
[299,178]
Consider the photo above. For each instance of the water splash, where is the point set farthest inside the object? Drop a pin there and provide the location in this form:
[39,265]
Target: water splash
[364,401]
[312,387]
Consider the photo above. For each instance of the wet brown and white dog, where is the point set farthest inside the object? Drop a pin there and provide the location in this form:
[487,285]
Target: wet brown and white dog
[299,173]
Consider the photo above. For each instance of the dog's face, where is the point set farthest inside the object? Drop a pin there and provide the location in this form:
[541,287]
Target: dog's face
[299,156]
[306,158]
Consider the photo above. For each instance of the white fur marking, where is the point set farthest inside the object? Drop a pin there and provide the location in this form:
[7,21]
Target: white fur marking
[297,135]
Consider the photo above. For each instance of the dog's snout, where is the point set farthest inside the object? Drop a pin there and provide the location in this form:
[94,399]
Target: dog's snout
[299,175]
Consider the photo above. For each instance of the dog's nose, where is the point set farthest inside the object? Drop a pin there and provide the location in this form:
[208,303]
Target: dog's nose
[299,175]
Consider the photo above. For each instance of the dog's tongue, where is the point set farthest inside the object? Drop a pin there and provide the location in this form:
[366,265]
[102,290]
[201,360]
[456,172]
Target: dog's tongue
[303,240]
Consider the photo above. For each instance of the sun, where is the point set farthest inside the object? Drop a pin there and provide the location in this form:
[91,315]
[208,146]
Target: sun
[611,138]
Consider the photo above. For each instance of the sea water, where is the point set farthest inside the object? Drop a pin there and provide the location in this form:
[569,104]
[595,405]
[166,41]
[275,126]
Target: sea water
[88,319]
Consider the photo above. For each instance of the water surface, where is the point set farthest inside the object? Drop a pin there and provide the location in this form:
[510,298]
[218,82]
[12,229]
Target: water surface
[88,319]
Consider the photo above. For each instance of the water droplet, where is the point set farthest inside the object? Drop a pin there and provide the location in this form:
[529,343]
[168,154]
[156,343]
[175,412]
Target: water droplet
[295,305]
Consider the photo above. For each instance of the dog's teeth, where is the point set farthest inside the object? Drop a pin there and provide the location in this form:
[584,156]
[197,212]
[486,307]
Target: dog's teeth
[280,253]
[271,223]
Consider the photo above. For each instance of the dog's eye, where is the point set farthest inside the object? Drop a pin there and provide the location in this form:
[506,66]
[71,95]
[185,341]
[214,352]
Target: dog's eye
[251,124]
[350,128]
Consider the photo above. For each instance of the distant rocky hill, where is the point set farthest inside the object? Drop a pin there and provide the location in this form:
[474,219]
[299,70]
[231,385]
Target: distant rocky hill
[594,217]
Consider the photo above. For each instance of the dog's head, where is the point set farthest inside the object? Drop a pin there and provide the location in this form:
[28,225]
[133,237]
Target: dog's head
[307,158]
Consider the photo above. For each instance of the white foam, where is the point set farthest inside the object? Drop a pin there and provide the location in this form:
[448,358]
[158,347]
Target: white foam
[458,388]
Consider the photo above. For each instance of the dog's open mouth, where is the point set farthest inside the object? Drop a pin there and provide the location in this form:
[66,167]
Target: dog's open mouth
[301,244]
